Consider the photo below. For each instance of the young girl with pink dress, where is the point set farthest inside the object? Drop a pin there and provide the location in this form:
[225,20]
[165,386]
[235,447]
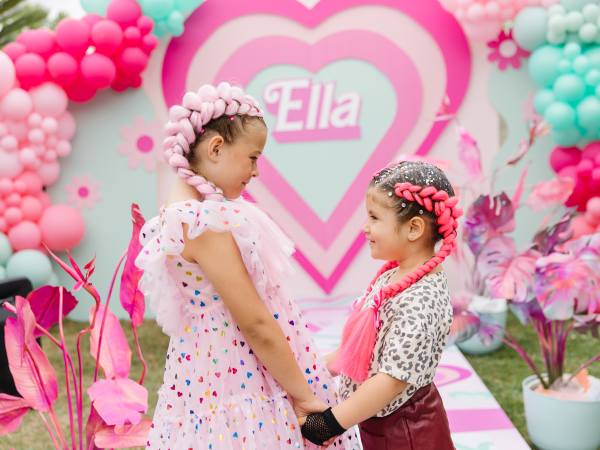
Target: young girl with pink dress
[242,371]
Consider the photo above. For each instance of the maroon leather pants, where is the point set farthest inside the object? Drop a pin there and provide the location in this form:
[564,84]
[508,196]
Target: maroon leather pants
[420,424]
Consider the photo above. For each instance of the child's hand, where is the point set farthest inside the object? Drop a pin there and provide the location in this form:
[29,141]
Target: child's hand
[303,408]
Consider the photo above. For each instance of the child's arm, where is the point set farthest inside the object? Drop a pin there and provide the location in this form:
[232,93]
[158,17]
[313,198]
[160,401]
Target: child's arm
[331,358]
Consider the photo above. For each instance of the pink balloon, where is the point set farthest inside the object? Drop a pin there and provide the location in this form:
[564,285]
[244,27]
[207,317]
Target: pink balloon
[49,99]
[73,37]
[593,207]
[34,120]
[49,172]
[14,50]
[50,156]
[9,143]
[562,157]
[13,199]
[26,235]
[62,227]
[145,24]
[31,70]
[149,43]
[41,41]
[584,168]
[80,91]
[125,12]
[10,165]
[13,215]
[591,151]
[580,227]
[39,149]
[16,104]
[20,187]
[63,148]
[18,129]
[136,81]
[7,73]
[98,70]
[36,136]
[28,158]
[6,186]
[3,129]
[122,82]
[33,182]
[107,36]
[31,208]
[50,125]
[66,126]
[132,35]
[3,225]
[44,199]
[91,19]
[62,68]
[132,61]
[2,207]
[51,141]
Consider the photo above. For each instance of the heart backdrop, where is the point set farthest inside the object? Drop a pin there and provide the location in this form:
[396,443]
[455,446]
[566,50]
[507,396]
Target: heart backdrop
[341,98]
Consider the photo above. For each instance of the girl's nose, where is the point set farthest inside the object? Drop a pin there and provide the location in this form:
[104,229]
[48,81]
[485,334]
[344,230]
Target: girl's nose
[365,228]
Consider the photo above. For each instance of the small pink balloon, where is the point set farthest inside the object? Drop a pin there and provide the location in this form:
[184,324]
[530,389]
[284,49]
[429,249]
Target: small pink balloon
[51,142]
[9,143]
[580,227]
[10,165]
[483,31]
[145,24]
[591,220]
[16,104]
[36,136]
[49,99]
[596,174]
[73,37]
[66,126]
[14,50]
[98,70]
[13,215]
[44,199]
[20,187]
[7,73]
[63,69]
[2,207]
[91,20]
[107,36]
[125,12]
[136,81]
[33,182]
[132,35]
[3,225]
[122,82]
[13,199]
[31,70]
[39,150]
[62,227]
[6,186]
[50,125]
[34,120]
[149,43]
[49,172]
[562,157]
[584,168]
[3,130]
[28,157]
[593,207]
[18,129]
[50,156]
[41,41]
[31,208]
[132,61]
[63,148]
[80,92]
[24,236]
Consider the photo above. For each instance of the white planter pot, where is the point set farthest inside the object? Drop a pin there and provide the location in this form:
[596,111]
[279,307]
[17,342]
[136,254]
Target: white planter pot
[558,424]
[498,309]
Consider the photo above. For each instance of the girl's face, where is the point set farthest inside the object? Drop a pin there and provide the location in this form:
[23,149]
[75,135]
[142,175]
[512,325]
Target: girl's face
[382,230]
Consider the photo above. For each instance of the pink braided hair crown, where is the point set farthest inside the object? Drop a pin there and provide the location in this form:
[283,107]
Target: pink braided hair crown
[189,118]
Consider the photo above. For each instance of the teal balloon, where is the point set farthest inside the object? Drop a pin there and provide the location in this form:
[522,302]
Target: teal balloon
[160,28]
[175,23]
[572,50]
[31,264]
[2,273]
[157,9]
[588,112]
[564,66]
[5,249]
[52,280]
[592,78]
[542,99]
[581,64]
[567,137]
[572,5]
[560,115]
[529,27]
[543,65]
[593,54]
[187,5]
[95,6]
[569,88]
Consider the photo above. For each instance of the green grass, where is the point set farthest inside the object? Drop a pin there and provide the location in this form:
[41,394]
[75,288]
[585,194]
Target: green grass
[502,372]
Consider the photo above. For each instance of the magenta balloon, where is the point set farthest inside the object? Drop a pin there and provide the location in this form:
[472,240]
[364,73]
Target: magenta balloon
[66,126]
[80,91]
[49,99]
[14,50]
[49,172]
[132,35]
[91,19]
[591,151]
[16,104]
[26,235]
[98,70]
[73,37]
[562,157]
[145,24]
[107,36]
[10,164]
[7,74]
[125,12]
[41,41]
[584,168]
[132,61]
[149,43]
[122,82]
[31,70]
[62,68]
[31,207]
[62,227]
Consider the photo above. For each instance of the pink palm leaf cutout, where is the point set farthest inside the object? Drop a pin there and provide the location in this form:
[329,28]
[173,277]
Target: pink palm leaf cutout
[115,354]
[120,401]
[44,303]
[12,411]
[124,436]
[26,323]
[550,193]
[132,298]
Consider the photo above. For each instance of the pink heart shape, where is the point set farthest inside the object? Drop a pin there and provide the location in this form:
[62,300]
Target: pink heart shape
[450,374]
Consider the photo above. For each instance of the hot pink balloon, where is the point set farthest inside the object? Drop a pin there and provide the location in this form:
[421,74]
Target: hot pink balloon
[32,208]
[14,50]
[73,37]
[16,104]
[125,12]
[132,35]
[591,151]
[33,182]
[31,70]
[107,37]
[91,19]
[2,208]
[63,68]
[562,157]
[98,70]
[149,43]
[80,91]
[62,227]
[7,73]
[132,61]
[41,41]
[25,235]
[10,165]
[49,99]
[66,126]
[145,24]
[122,82]
[49,172]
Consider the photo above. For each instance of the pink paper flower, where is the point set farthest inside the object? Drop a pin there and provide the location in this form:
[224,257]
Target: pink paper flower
[506,51]
[550,193]
[143,144]
[83,192]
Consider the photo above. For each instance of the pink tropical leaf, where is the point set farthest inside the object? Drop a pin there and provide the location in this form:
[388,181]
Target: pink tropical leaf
[44,303]
[93,425]
[115,354]
[74,265]
[488,218]
[25,374]
[507,274]
[576,246]
[519,191]
[66,268]
[120,401]
[124,436]
[550,193]
[464,326]
[132,298]
[12,411]
[26,322]
[469,152]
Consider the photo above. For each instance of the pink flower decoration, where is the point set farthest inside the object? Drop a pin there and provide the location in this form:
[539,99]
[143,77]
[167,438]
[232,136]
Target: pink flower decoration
[143,144]
[550,193]
[506,51]
[83,192]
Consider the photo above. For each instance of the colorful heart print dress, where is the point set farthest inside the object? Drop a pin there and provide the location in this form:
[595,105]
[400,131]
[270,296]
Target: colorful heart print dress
[216,394]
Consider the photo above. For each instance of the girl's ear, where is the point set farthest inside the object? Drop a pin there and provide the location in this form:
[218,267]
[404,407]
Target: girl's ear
[416,228]
[214,145]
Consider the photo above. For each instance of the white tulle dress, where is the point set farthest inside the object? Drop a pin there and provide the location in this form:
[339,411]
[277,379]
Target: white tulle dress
[216,394]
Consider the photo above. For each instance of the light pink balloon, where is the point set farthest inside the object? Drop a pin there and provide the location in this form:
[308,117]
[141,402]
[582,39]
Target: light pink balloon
[63,148]
[49,99]
[36,136]
[13,199]
[63,68]
[6,186]
[28,157]
[107,36]
[26,235]
[10,165]
[44,199]
[49,172]
[51,142]
[3,225]
[3,129]
[66,126]
[30,69]
[34,120]
[18,129]
[9,143]
[50,156]
[98,70]
[13,215]
[50,125]
[7,73]
[580,227]
[33,182]
[20,187]
[16,104]
[73,37]
[39,150]
[62,227]
[483,31]
[31,208]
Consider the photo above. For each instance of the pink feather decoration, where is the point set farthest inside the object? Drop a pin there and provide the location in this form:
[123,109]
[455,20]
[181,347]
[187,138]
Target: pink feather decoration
[469,152]
[12,411]
[132,298]
[550,193]
[44,303]
[124,436]
[115,354]
[120,401]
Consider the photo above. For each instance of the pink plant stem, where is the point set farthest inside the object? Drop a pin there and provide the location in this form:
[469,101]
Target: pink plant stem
[69,397]
[584,365]
[49,430]
[139,351]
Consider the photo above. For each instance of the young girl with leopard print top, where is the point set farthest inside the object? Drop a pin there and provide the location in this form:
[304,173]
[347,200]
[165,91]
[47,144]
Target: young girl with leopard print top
[393,341]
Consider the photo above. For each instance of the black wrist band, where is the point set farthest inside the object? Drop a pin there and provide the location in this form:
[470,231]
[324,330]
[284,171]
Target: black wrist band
[321,427]
[335,426]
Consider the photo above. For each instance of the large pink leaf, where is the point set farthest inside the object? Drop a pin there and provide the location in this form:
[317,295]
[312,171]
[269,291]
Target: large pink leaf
[115,354]
[26,322]
[124,436]
[91,428]
[488,218]
[12,411]
[132,298]
[24,374]
[45,305]
[550,193]
[120,401]
[507,274]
